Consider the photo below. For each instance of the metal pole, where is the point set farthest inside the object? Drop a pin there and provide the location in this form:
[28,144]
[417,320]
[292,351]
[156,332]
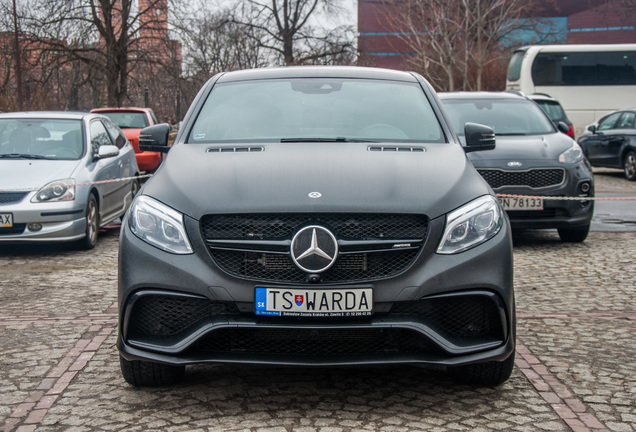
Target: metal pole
[178,106]
[146,96]
[18,68]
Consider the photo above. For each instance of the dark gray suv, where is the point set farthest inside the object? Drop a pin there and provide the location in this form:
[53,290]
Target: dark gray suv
[316,216]
[540,173]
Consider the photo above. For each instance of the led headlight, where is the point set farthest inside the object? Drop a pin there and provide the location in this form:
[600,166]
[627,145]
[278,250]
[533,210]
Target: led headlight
[572,155]
[159,225]
[470,225]
[58,190]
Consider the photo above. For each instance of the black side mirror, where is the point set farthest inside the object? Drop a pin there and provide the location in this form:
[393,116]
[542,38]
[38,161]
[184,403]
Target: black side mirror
[592,128]
[478,137]
[155,138]
[563,127]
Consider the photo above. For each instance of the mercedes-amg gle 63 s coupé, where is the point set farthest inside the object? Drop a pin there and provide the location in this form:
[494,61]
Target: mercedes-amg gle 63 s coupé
[316,216]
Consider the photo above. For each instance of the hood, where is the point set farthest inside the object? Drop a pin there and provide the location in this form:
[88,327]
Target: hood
[533,149]
[348,176]
[33,174]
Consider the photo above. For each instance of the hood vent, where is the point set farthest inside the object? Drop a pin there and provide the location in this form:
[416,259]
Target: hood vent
[234,149]
[396,149]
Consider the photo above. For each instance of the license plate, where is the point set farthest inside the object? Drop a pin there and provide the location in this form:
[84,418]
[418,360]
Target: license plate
[521,203]
[314,302]
[7,220]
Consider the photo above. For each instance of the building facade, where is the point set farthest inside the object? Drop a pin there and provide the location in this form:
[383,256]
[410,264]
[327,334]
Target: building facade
[381,41]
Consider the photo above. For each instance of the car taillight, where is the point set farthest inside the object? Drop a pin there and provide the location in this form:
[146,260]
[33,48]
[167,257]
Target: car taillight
[571,131]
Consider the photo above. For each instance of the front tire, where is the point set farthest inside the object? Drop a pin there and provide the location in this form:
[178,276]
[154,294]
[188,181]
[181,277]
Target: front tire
[92,224]
[629,165]
[574,235]
[488,374]
[150,374]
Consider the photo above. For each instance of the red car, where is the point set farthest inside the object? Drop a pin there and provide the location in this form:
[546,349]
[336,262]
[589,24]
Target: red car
[132,120]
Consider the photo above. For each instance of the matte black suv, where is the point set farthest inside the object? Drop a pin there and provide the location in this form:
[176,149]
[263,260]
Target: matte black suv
[316,216]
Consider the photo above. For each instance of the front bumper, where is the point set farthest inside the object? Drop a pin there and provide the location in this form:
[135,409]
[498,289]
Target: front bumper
[183,309]
[578,182]
[61,221]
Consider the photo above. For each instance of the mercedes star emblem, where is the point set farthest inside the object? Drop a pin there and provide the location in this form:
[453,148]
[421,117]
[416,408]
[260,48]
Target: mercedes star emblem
[314,249]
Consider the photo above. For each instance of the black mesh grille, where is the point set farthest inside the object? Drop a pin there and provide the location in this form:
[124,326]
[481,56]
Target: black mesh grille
[459,318]
[343,226]
[280,268]
[15,229]
[537,178]
[312,342]
[273,266]
[536,214]
[159,315]
[12,197]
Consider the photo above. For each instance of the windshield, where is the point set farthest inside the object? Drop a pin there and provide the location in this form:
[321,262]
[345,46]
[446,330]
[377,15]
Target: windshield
[514,68]
[505,116]
[41,139]
[316,109]
[128,120]
[552,109]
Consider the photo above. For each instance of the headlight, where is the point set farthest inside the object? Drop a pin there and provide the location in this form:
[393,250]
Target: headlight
[58,190]
[572,155]
[159,225]
[471,225]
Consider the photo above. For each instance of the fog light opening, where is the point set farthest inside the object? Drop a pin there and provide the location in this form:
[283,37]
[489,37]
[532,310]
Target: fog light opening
[585,188]
[34,227]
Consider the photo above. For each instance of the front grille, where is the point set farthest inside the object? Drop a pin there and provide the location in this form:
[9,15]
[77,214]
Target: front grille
[12,197]
[314,342]
[535,178]
[280,267]
[343,226]
[15,229]
[536,214]
[273,264]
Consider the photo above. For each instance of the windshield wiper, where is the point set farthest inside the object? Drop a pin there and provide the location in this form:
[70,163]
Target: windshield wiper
[337,139]
[22,156]
[511,134]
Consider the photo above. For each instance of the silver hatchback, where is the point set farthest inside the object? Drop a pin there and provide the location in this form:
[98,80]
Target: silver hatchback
[62,176]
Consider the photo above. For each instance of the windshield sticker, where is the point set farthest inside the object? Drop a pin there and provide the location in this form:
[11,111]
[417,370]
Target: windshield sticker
[199,136]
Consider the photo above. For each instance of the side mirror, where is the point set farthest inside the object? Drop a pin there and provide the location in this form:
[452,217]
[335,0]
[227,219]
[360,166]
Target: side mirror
[592,128]
[155,138]
[107,151]
[478,137]
[563,127]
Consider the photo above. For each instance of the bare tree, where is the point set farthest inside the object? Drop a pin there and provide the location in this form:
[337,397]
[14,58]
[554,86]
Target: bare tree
[214,41]
[102,34]
[289,30]
[453,41]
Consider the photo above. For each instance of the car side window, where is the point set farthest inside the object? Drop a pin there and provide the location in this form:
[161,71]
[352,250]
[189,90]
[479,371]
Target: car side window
[115,133]
[99,136]
[608,122]
[626,121]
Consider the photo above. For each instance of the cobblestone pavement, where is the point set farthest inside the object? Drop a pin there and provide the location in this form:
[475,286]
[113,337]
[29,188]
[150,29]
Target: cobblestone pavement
[575,366]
